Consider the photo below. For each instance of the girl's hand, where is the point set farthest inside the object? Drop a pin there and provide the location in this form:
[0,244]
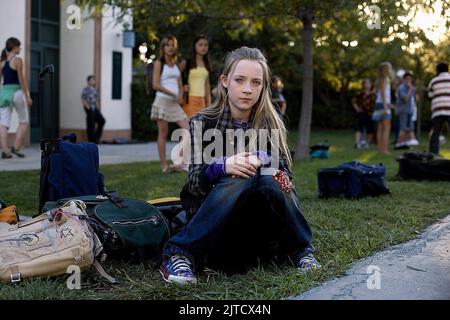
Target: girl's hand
[186,88]
[181,100]
[254,161]
[239,165]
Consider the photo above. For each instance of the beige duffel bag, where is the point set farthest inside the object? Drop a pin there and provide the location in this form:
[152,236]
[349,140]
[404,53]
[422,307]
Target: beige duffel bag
[48,244]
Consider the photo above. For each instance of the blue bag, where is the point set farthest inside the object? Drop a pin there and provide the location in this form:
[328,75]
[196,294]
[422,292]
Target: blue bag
[319,151]
[69,169]
[352,180]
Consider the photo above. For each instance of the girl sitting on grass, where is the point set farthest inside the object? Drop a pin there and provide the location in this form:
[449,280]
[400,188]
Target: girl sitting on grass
[243,103]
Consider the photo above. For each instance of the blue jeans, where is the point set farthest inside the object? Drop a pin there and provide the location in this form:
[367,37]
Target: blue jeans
[205,229]
[404,122]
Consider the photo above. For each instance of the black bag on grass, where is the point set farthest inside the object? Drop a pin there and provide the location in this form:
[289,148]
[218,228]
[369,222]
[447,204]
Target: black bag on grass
[423,166]
[352,180]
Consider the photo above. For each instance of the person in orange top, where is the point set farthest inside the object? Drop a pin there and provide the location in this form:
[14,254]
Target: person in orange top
[196,71]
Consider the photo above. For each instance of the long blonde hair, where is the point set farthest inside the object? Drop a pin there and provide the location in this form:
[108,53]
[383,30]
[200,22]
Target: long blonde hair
[384,72]
[265,115]
[163,43]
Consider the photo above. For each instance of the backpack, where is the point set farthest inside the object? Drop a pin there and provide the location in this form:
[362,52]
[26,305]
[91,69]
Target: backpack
[48,244]
[319,151]
[8,214]
[352,180]
[69,169]
[423,166]
[124,225]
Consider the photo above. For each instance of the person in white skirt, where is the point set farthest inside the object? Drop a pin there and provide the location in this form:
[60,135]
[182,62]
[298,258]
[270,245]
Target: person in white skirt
[168,100]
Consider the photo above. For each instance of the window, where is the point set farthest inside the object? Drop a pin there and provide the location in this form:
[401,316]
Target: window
[117,75]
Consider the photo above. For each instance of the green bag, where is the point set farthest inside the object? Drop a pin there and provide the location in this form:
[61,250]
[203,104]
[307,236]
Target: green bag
[137,223]
[122,223]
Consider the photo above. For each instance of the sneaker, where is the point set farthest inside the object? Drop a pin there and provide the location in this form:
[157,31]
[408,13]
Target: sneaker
[17,152]
[412,142]
[177,269]
[308,263]
[401,145]
[6,155]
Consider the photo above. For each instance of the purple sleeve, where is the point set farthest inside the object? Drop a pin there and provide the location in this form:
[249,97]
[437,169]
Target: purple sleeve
[216,170]
[264,157]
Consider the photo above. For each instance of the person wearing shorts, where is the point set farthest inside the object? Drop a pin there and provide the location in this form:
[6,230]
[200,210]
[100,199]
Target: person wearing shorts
[364,103]
[404,107]
[382,113]
[13,94]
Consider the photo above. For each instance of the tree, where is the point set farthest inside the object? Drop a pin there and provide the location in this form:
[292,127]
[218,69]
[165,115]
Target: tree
[244,17]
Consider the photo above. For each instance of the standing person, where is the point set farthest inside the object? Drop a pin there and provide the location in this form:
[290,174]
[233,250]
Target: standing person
[364,103]
[90,100]
[169,97]
[439,92]
[278,99]
[382,113]
[196,71]
[398,80]
[13,93]
[222,185]
[404,109]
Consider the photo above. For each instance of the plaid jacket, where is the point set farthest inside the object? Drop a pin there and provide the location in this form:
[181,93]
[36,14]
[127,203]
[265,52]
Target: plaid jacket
[198,184]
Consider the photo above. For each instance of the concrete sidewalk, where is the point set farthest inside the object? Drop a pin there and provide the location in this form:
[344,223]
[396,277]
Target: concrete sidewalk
[109,154]
[418,269]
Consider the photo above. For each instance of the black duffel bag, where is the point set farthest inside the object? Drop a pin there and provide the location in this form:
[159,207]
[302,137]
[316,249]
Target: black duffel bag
[423,166]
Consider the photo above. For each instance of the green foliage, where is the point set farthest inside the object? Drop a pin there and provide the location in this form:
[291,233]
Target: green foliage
[144,129]
[272,25]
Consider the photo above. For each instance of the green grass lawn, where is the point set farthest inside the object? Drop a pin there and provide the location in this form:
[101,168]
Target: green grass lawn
[343,230]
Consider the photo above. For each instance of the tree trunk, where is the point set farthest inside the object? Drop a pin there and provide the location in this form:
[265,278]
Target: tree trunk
[419,110]
[304,127]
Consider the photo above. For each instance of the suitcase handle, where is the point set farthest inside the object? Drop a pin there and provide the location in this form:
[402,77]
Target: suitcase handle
[50,69]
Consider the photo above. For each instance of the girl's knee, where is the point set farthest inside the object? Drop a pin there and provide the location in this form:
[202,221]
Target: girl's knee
[267,182]
[236,184]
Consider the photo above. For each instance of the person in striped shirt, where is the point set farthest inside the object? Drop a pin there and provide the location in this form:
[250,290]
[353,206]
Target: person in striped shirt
[439,92]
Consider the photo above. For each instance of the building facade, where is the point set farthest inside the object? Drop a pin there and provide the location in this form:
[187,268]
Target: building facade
[55,31]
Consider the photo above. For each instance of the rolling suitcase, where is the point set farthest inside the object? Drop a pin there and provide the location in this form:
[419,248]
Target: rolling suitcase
[68,168]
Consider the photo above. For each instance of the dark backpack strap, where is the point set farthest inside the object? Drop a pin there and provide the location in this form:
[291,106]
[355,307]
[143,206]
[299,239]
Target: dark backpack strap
[118,202]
